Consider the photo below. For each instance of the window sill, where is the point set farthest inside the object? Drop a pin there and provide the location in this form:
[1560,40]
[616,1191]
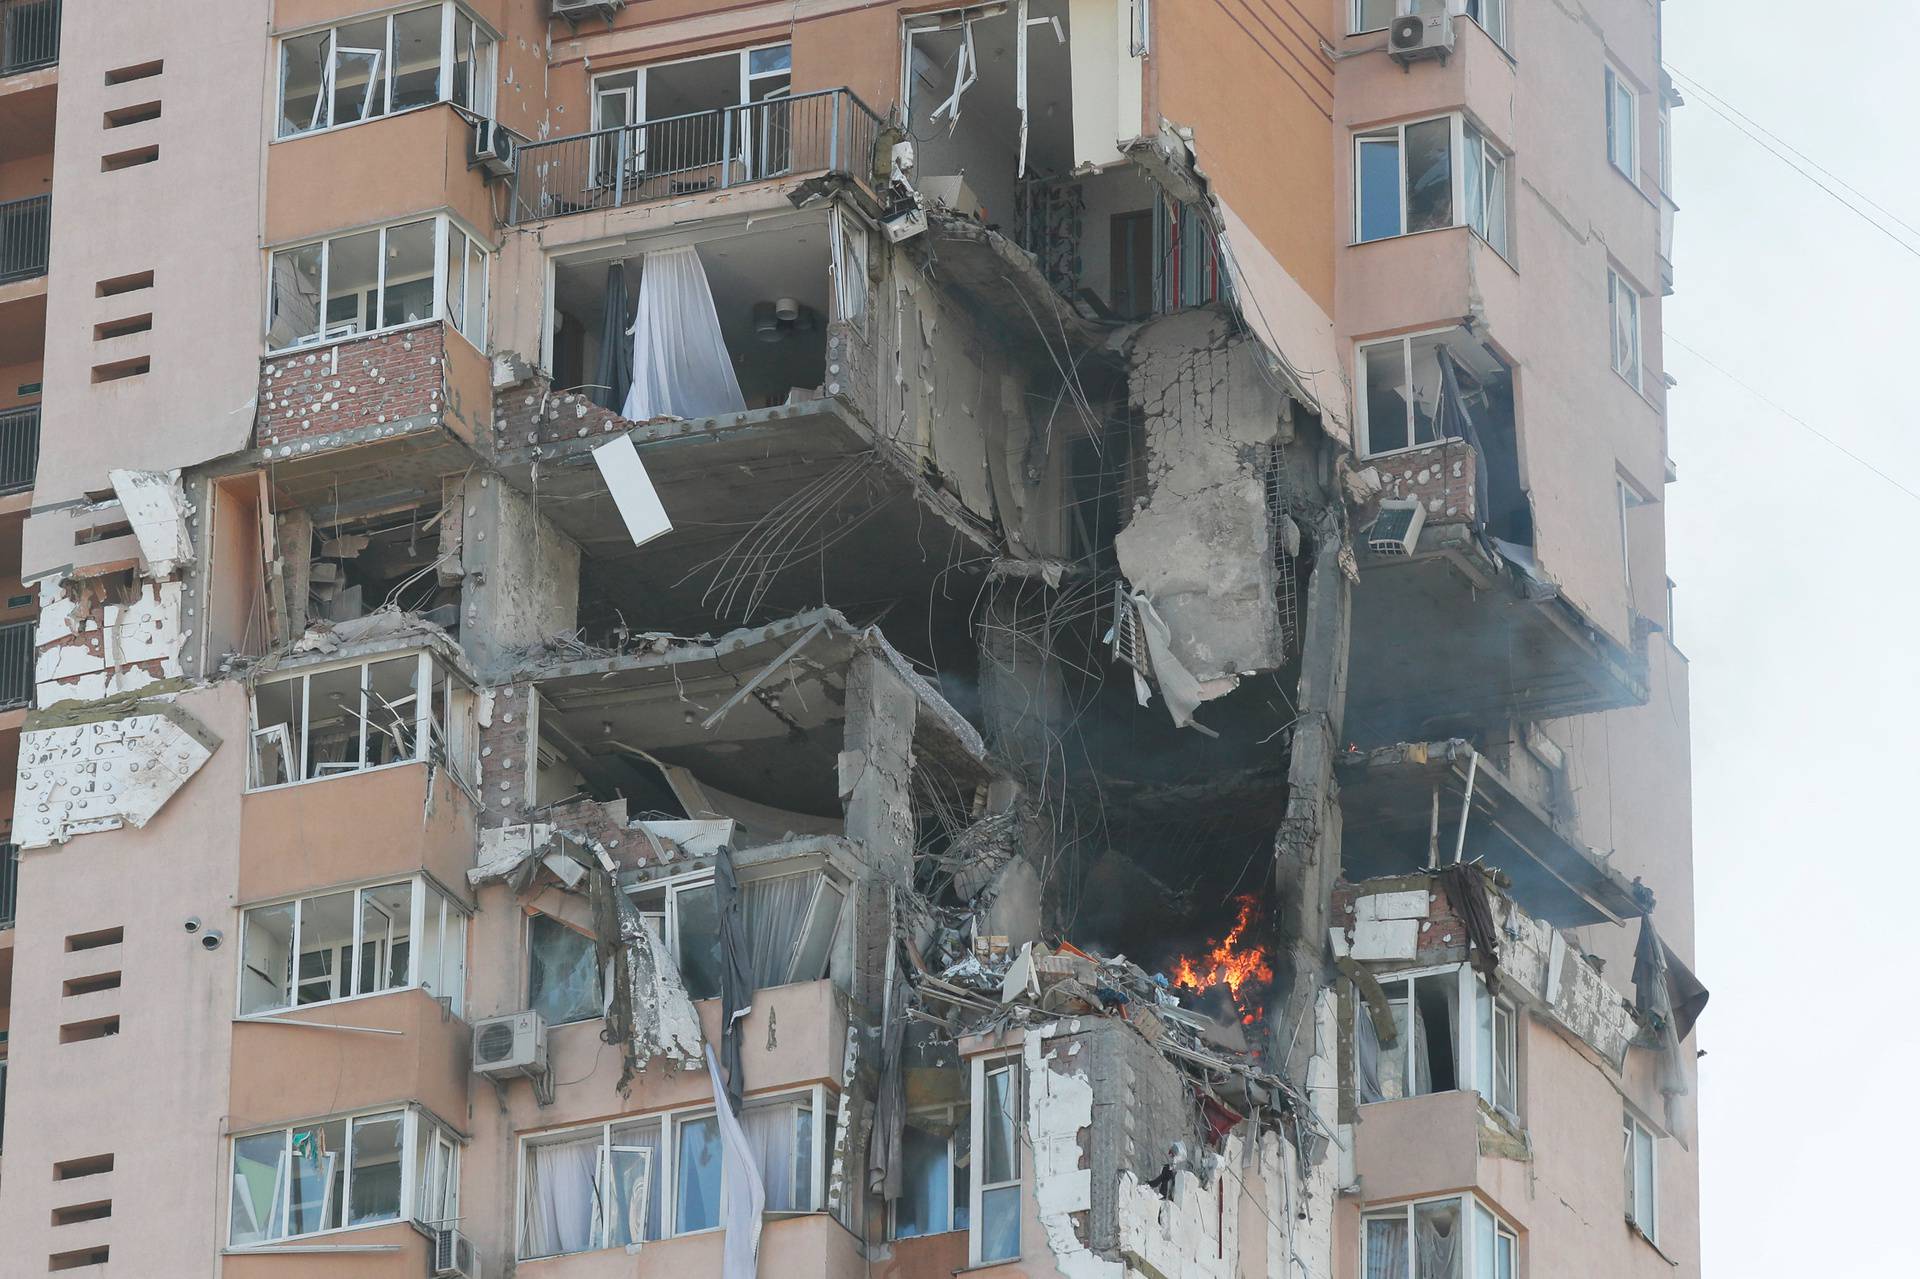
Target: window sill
[333,777]
[1390,454]
[1408,235]
[321,344]
[305,1243]
[1633,1228]
[355,124]
[283,1014]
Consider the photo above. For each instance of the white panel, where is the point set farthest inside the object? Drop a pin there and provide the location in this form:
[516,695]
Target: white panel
[1409,905]
[632,489]
[1386,939]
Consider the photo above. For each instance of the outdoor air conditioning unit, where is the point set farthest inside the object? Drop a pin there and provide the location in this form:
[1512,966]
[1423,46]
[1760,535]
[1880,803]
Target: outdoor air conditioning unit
[492,149]
[453,1255]
[1425,32]
[510,1046]
[574,10]
[1397,531]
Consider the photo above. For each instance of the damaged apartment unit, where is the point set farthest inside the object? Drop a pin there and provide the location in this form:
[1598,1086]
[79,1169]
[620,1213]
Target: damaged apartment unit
[840,640]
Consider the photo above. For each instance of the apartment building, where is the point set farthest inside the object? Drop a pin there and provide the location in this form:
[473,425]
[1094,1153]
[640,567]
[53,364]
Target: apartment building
[854,638]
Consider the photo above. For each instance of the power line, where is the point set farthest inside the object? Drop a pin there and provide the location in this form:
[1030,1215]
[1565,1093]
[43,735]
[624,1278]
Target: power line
[1781,153]
[1791,416]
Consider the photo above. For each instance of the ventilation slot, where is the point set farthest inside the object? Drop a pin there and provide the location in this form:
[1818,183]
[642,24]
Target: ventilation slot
[121,117]
[123,328]
[122,369]
[74,1214]
[90,985]
[77,1258]
[128,159]
[85,1166]
[78,1032]
[138,71]
[95,940]
[123,284]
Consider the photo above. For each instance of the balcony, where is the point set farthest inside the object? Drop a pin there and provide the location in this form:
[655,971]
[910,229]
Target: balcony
[19,449]
[16,665]
[828,132]
[9,886]
[25,233]
[29,35]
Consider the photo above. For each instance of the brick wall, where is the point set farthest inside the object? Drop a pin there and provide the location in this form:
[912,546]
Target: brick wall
[388,383]
[1441,475]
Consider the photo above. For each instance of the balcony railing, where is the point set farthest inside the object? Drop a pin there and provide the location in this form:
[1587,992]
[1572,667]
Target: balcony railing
[830,131]
[26,231]
[19,448]
[16,664]
[29,34]
[9,892]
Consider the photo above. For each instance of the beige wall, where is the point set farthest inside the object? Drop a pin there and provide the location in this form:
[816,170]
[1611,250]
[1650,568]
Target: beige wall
[154,1095]
[191,218]
[381,171]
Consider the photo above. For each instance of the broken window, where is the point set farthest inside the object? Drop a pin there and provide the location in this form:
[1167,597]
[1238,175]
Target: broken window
[372,281]
[613,1185]
[792,921]
[995,1212]
[1623,312]
[1485,170]
[1401,405]
[339,1174]
[1623,125]
[563,972]
[346,719]
[1434,1050]
[377,66]
[1403,179]
[358,941]
[1639,1165]
[849,266]
[934,1195]
[1453,1238]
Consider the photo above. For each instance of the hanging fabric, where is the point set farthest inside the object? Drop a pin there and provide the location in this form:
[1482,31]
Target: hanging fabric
[743,1197]
[614,373]
[680,363]
[736,972]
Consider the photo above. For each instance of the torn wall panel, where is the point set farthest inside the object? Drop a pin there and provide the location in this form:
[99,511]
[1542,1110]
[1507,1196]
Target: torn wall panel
[1297,334]
[88,646]
[156,505]
[101,769]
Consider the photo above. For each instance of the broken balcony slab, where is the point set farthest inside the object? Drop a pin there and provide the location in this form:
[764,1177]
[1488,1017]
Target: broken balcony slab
[1002,283]
[1446,640]
[1387,796]
[770,508]
[758,711]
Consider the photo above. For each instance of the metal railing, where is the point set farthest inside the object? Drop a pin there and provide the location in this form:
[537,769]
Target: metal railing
[26,233]
[29,34]
[9,889]
[16,664]
[830,131]
[19,448]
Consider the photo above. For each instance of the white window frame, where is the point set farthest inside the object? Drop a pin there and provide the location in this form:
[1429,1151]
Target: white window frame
[949,1112]
[457,733]
[526,969]
[636,97]
[1458,128]
[1631,1131]
[1497,28]
[1405,342]
[452,15]
[977,1185]
[1356,21]
[428,903]
[1627,354]
[823,1103]
[668,927]
[418,1130]
[445,226]
[1481,153]
[1623,143]
[1468,1048]
[1470,1263]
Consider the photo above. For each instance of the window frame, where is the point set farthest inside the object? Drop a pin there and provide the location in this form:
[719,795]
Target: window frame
[1618,285]
[419,1131]
[1492,167]
[1357,8]
[1405,342]
[1459,126]
[445,227]
[981,1069]
[1470,1203]
[433,675]
[1631,1130]
[526,969]
[1499,7]
[677,886]
[423,889]
[1469,994]
[823,1102]
[452,14]
[954,1208]
[1617,86]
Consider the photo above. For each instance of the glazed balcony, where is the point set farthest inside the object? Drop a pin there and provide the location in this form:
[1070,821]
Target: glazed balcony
[830,132]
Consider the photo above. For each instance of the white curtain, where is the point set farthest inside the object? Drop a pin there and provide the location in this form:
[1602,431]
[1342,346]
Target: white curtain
[1436,1237]
[680,363]
[770,1132]
[1366,1052]
[562,1197]
[776,913]
[1387,1248]
[742,1197]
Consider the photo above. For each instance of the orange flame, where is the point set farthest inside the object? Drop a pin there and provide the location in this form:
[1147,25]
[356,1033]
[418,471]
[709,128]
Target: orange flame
[1228,964]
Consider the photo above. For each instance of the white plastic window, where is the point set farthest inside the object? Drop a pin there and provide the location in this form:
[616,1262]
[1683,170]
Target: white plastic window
[1435,1048]
[1623,312]
[1452,1238]
[371,281]
[1623,125]
[356,941]
[1484,171]
[346,719]
[1372,15]
[1492,17]
[1639,1165]
[792,918]
[934,1198]
[1404,179]
[338,1174]
[996,1140]
[373,67]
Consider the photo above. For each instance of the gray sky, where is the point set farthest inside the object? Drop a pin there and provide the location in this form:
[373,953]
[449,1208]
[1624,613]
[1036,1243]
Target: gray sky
[1796,570]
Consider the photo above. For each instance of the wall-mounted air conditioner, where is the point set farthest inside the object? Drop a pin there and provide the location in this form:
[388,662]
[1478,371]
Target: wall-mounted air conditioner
[453,1255]
[1425,32]
[574,10]
[510,1046]
[1397,531]
[493,147]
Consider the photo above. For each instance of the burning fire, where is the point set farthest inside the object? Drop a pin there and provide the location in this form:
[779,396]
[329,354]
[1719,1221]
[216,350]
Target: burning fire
[1228,964]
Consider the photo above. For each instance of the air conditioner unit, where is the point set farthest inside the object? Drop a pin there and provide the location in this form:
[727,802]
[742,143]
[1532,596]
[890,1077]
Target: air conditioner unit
[1425,32]
[492,149]
[510,1046]
[574,10]
[1397,531]
[453,1254]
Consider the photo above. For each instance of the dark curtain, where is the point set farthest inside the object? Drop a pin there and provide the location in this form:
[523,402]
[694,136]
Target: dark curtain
[736,971]
[614,374]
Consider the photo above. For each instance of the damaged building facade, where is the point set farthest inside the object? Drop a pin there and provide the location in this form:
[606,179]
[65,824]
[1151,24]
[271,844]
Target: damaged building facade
[840,639]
